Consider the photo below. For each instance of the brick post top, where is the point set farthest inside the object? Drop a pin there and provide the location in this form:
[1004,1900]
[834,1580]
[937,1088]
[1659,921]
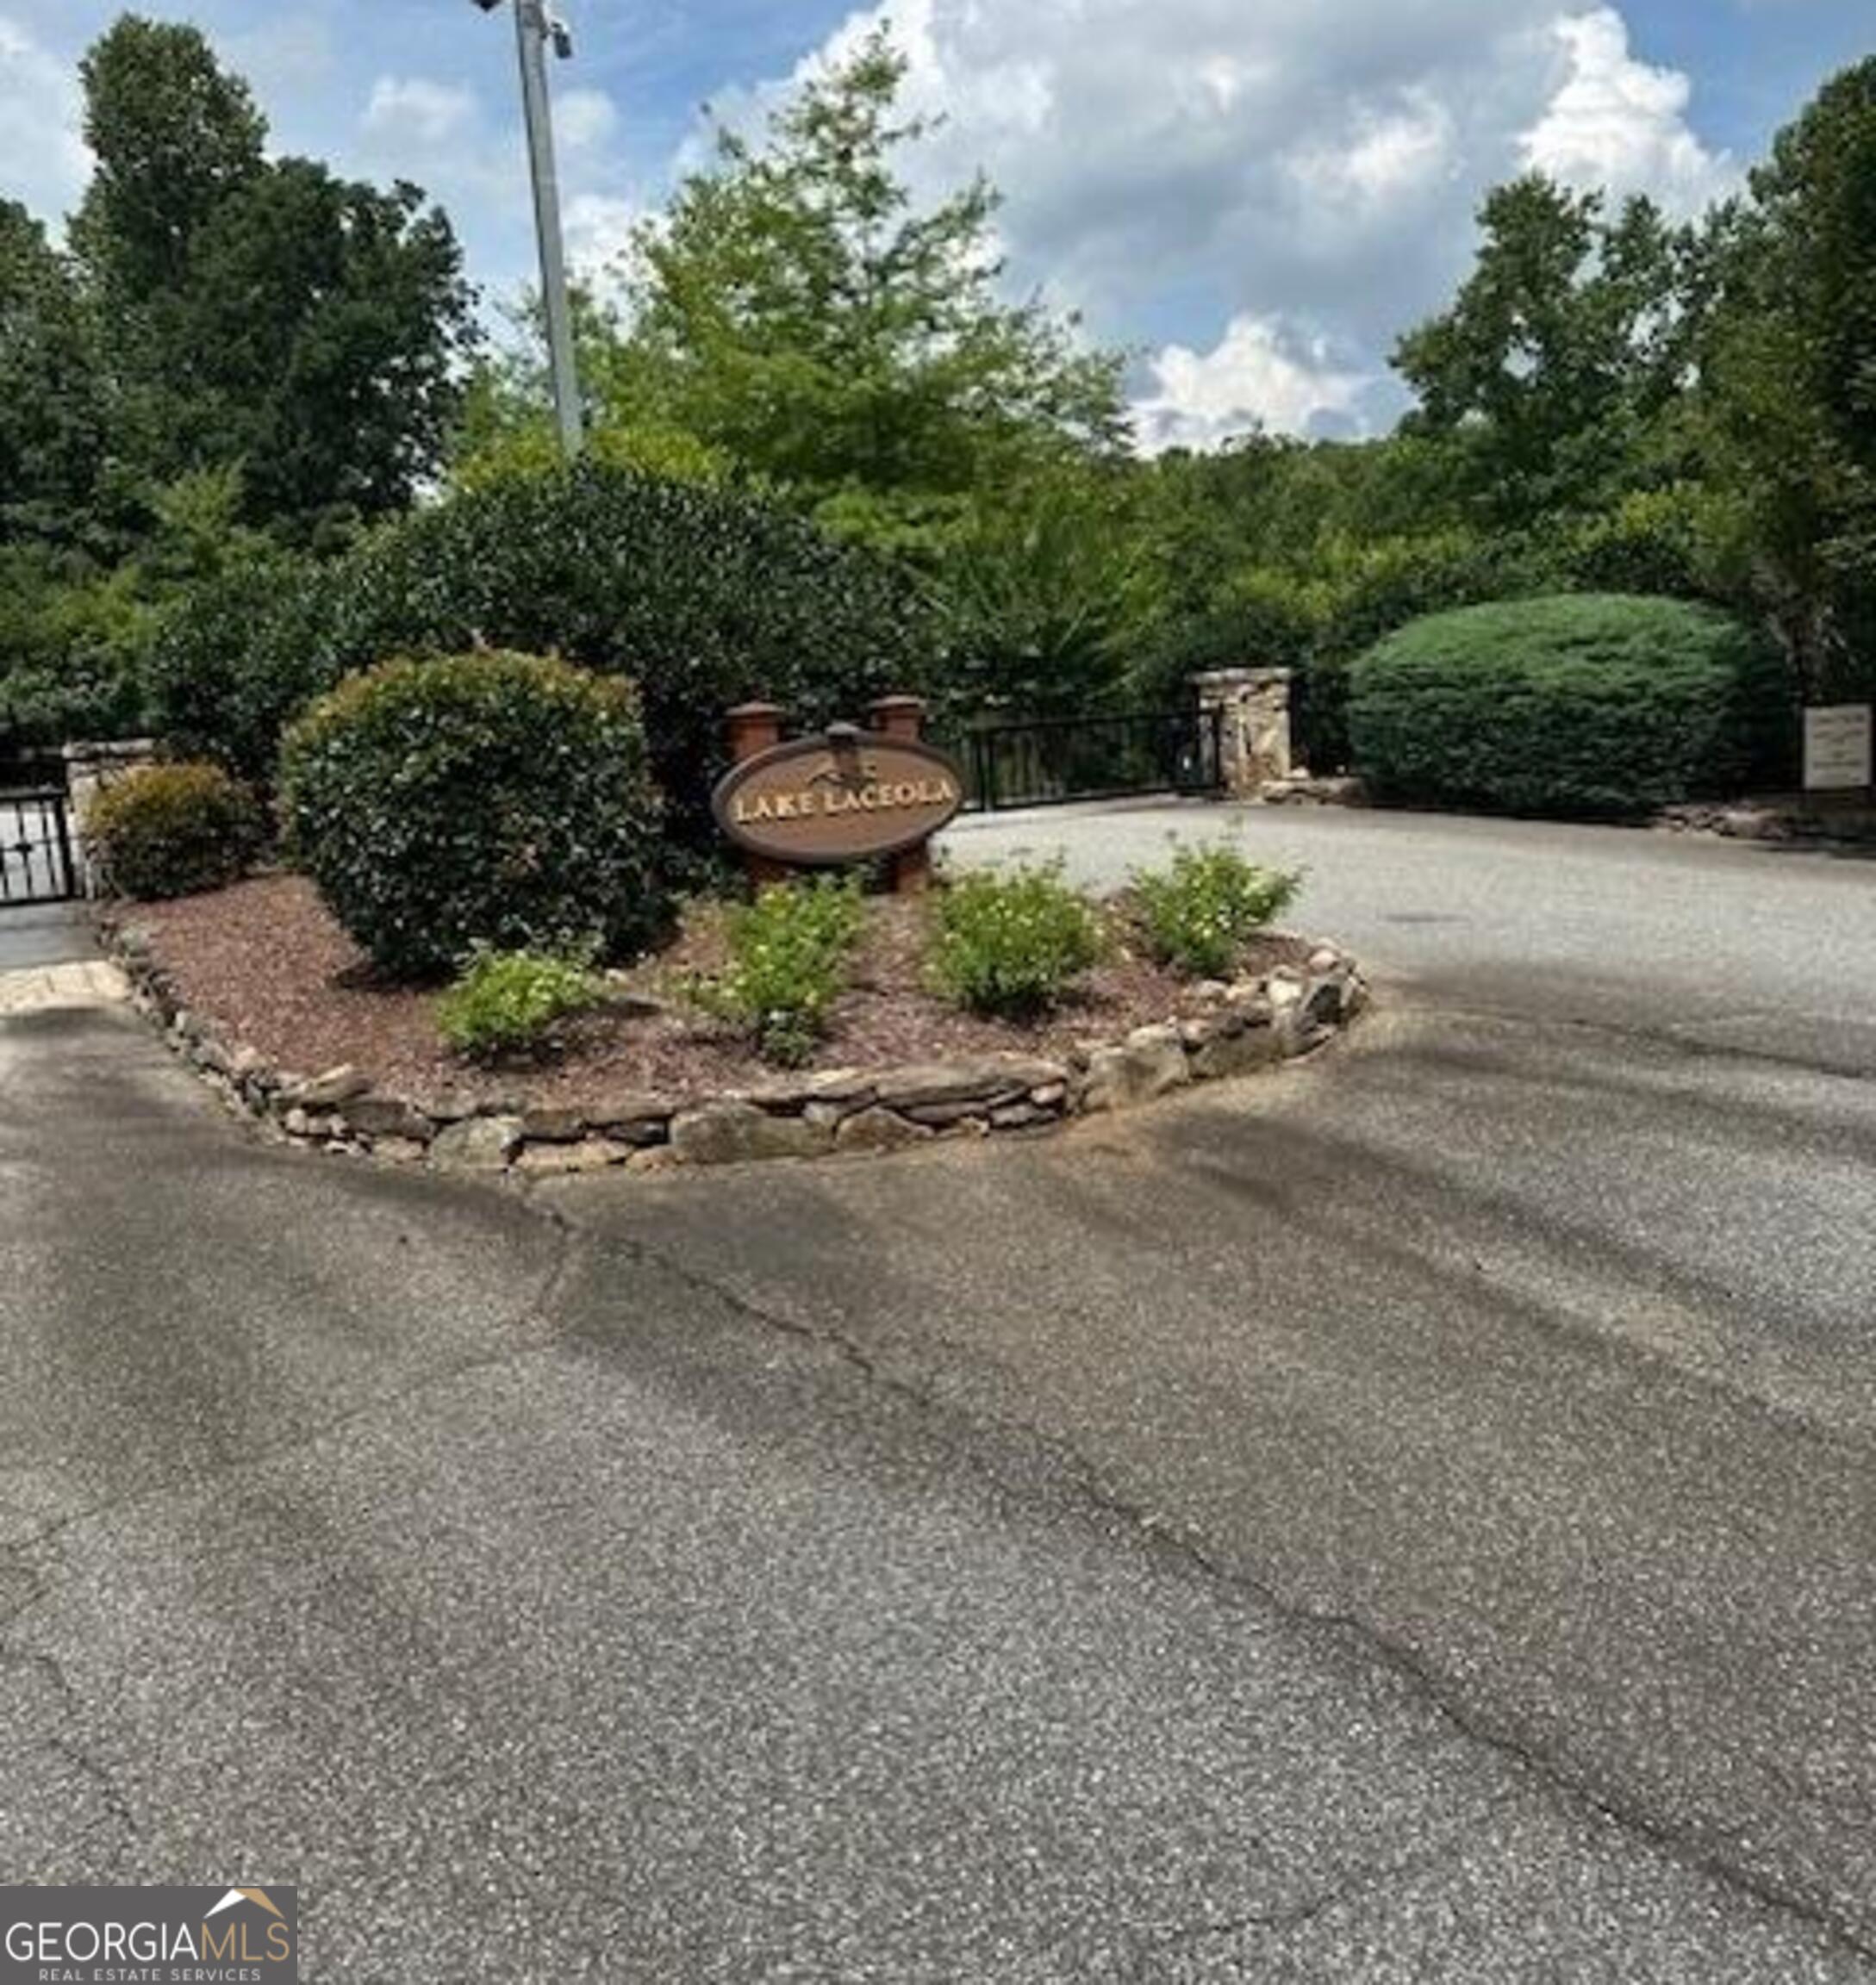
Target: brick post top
[754,727]
[898,716]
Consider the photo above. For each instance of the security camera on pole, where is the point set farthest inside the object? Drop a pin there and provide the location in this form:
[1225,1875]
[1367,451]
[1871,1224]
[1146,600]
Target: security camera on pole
[535,28]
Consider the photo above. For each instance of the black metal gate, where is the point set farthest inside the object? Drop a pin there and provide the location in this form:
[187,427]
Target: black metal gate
[1053,761]
[38,863]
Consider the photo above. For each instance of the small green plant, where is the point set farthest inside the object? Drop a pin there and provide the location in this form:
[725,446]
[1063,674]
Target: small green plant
[510,1002]
[789,952]
[172,831]
[1012,943]
[1199,912]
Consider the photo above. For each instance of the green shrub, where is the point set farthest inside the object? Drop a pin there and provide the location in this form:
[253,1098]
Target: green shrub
[481,798]
[1199,912]
[1368,593]
[1581,705]
[788,951]
[167,831]
[510,1002]
[703,598]
[1012,943]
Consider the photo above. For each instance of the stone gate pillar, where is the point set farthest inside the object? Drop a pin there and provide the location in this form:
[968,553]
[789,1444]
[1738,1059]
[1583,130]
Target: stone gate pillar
[1254,707]
[90,768]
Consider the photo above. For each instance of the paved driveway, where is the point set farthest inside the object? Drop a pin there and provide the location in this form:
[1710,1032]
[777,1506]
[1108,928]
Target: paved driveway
[1409,1519]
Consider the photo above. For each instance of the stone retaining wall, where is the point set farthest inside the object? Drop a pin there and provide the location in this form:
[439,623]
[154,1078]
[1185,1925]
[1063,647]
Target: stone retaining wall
[1250,1025]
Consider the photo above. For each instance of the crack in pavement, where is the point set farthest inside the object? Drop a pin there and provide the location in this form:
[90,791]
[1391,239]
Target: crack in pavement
[1395,1656]
[1362,1881]
[34,1660]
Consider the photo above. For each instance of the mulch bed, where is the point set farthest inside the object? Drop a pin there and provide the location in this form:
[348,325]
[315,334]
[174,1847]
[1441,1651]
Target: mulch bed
[264,964]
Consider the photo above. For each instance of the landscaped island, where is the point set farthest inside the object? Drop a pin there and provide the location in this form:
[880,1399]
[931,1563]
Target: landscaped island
[264,992]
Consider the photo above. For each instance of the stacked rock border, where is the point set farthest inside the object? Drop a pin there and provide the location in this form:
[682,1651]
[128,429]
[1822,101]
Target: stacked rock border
[1252,1025]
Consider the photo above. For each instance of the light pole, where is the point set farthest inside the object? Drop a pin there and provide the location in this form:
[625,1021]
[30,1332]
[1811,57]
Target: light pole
[534,28]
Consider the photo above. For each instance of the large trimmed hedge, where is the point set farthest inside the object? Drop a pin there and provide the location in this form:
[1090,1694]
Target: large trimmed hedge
[703,599]
[476,799]
[1589,705]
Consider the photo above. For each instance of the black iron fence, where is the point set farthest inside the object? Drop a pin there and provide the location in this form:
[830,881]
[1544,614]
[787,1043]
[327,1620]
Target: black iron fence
[1050,762]
[37,862]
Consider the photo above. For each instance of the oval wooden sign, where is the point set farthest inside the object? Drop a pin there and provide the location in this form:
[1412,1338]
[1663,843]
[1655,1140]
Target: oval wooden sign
[845,796]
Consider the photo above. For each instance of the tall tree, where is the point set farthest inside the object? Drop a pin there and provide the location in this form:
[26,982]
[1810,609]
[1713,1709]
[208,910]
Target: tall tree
[173,134]
[51,400]
[797,309]
[264,315]
[327,319]
[1790,381]
[1565,346]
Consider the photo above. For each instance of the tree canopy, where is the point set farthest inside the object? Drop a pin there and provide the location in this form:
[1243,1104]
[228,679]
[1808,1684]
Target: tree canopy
[800,315]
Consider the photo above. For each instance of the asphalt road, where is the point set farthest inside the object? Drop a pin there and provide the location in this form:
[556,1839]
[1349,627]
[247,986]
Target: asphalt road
[1411,1518]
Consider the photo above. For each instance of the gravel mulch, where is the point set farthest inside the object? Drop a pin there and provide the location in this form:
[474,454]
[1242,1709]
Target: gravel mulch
[265,964]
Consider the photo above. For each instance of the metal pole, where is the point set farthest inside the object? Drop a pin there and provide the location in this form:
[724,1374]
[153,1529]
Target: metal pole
[532,31]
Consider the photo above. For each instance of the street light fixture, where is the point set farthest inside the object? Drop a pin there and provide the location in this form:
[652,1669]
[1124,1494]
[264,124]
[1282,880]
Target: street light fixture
[535,28]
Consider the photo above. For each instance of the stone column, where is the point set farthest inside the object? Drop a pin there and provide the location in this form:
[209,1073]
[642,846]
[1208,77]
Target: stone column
[90,768]
[1254,731]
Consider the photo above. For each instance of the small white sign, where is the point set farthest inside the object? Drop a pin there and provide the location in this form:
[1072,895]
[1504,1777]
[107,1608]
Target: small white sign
[1837,747]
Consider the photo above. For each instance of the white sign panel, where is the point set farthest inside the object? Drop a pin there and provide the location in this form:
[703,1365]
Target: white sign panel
[1837,747]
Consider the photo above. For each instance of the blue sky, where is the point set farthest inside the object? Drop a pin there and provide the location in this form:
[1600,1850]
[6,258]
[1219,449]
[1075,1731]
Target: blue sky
[1257,195]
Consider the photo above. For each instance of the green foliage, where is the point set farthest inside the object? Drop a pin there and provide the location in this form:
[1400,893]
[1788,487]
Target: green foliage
[703,599]
[1041,599]
[165,831]
[1560,353]
[1199,912]
[508,1003]
[789,953]
[490,798]
[173,136]
[795,312]
[1787,405]
[1012,943]
[325,322]
[53,408]
[261,314]
[1582,705]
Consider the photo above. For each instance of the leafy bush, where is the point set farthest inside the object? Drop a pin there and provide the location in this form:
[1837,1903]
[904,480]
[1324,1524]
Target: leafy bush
[1368,593]
[1587,705]
[788,951]
[1012,943]
[703,599]
[480,799]
[510,1002]
[1198,913]
[167,831]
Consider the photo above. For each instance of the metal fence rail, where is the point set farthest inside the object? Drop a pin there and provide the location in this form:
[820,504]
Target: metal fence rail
[37,860]
[1051,761]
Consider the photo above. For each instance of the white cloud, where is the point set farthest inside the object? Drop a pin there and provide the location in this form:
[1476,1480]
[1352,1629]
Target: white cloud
[43,159]
[418,108]
[585,119]
[1295,178]
[1619,123]
[1255,375]
[599,232]
[1384,154]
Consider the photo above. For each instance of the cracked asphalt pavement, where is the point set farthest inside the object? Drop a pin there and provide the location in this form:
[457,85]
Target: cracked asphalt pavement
[1408,1519]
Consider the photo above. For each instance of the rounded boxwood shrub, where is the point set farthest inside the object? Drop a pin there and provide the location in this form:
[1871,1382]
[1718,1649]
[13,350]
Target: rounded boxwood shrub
[703,597]
[487,799]
[1590,705]
[167,831]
